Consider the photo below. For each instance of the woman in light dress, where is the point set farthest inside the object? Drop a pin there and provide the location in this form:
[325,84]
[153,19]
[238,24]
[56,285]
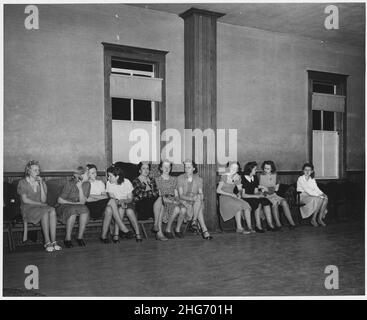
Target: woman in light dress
[33,195]
[314,200]
[231,205]
[269,185]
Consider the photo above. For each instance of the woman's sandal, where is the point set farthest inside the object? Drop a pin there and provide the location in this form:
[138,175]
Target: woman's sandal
[49,247]
[206,235]
[56,246]
[115,238]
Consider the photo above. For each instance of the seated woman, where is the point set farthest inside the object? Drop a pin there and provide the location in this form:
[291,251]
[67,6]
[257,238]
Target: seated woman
[190,189]
[72,204]
[33,194]
[99,204]
[120,189]
[256,199]
[269,185]
[230,204]
[148,203]
[315,201]
[167,186]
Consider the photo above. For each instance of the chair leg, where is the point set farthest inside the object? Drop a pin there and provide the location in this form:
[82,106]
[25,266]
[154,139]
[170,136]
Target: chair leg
[25,231]
[187,225]
[11,246]
[143,229]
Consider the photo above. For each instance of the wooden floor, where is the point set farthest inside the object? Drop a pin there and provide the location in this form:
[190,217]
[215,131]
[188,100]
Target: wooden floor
[281,263]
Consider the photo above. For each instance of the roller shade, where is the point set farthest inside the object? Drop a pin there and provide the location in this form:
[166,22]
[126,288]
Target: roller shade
[132,87]
[328,102]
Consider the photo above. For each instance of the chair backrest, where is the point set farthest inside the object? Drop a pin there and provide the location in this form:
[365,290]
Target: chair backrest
[130,170]
[54,189]
[11,201]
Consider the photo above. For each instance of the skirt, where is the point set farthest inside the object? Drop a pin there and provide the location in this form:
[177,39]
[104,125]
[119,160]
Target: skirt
[255,202]
[229,206]
[144,208]
[33,213]
[127,206]
[65,211]
[189,205]
[274,199]
[97,208]
[310,205]
[169,208]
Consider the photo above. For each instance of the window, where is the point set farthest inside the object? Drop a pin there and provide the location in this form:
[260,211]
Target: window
[134,100]
[326,120]
[133,109]
[327,113]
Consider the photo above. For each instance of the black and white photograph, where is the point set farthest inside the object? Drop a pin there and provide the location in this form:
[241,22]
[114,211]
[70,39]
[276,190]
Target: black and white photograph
[183,150]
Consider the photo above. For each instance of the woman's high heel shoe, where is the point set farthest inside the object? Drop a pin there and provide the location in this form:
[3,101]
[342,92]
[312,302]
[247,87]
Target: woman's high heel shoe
[104,240]
[81,242]
[138,238]
[115,238]
[160,237]
[126,235]
[258,230]
[154,230]
[206,235]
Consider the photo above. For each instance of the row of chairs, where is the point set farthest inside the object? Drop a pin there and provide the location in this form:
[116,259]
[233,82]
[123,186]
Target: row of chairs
[11,228]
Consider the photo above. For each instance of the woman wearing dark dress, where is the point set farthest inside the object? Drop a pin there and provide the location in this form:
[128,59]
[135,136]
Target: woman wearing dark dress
[99,204]
[256,199]
[72,204]
[148,203]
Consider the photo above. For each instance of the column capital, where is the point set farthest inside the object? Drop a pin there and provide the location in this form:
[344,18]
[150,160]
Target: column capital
[195,11]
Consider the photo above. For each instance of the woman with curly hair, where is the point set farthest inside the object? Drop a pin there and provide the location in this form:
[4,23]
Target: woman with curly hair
[148,203]
[33,195]
[174,208]
[269,185]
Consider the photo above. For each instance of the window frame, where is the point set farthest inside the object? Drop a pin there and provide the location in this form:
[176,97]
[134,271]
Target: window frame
[340,80]
[133,54]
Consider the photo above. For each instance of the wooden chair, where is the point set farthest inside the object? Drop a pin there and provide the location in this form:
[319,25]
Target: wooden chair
[7,228]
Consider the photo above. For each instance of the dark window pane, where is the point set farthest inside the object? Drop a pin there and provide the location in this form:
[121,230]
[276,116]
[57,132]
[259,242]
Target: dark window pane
[131,65]
[121,109]
[323,87]
[142,110]
[316,119]
[328,121]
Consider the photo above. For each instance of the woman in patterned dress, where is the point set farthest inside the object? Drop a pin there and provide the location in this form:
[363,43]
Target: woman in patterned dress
[190,189]
[148,203]
[71,203]
[167,186]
